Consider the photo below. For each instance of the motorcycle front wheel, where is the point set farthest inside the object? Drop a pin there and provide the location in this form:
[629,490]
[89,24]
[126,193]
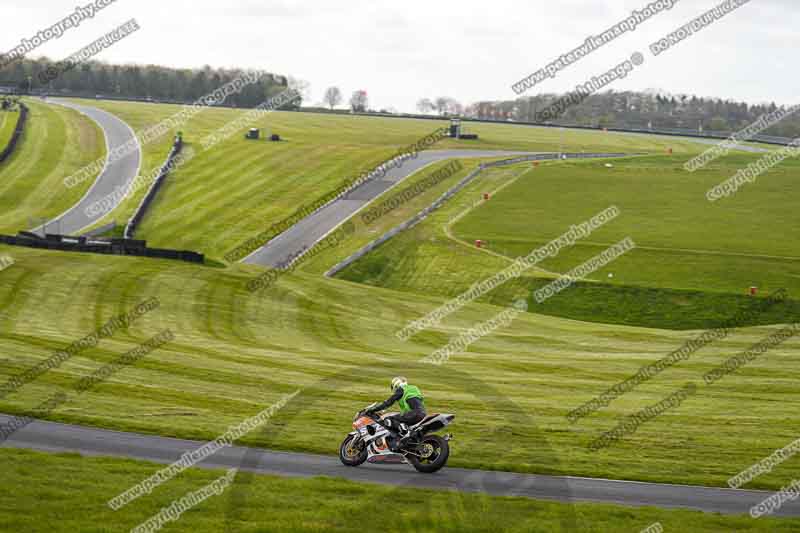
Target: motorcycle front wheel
[433,452]
[352,452]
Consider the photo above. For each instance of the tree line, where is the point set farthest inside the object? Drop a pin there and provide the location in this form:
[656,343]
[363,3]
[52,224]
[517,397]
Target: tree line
[607,109]
[641,110]
[97,78]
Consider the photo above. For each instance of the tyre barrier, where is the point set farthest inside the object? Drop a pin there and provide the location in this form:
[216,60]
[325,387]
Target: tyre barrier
[138,215]
[131,247]
[12,143]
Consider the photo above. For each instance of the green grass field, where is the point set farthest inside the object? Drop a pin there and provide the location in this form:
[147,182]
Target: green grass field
[74,490]
[236,353]
[239,188]
[57,142]
[691,269]
[8,121]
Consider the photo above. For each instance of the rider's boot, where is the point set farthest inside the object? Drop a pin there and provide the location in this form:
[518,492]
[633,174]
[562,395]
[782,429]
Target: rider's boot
[399,434]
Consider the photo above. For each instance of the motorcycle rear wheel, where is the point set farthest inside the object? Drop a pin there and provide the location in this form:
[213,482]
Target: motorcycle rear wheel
[350,455]
[438,450]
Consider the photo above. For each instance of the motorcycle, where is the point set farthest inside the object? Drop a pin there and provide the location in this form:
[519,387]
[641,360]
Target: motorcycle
[372,442]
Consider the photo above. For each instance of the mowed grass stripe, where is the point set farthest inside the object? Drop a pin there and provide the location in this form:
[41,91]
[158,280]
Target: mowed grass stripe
[74,491]
[57,142]
[318,153]
[8,122]
[650,287]
[235,353]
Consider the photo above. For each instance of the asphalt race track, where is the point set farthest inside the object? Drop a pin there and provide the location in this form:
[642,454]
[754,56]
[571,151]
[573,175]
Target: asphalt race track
[53,437]
[309,231]
[120,173]
[312,229]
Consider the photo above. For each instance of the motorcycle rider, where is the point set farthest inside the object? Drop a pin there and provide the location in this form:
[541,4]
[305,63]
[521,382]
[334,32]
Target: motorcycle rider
[412,410]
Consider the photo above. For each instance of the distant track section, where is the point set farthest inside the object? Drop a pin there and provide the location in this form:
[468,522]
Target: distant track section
[422,215]
[312,229]
[118,173]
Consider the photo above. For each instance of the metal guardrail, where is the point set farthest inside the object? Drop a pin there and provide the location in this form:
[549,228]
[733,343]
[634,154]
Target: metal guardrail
[422,215]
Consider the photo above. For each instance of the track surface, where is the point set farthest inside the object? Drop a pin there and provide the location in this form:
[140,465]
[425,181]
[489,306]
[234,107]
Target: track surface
[53,437]
[309,231]
[312,229]
[742,147]
[120,173]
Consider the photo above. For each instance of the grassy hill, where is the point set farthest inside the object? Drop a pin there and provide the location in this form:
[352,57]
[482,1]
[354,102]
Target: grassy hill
[8,121]
[57,142]
[236,353]
[228,194]
[691,269]
[74,491]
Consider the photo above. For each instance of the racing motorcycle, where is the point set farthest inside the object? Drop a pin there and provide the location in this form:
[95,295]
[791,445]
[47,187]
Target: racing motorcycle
[371,441]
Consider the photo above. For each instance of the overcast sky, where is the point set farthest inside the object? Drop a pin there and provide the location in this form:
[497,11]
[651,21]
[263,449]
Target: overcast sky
[470,50]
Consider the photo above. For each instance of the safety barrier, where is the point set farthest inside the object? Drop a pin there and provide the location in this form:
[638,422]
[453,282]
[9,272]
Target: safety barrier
[99,246]
[422,215]
[20,127]
[138,215]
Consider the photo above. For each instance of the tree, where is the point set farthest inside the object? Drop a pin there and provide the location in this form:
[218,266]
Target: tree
[442,104]
[719,124]
[424,105]
[333,97]
[445,105]
[359,101]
